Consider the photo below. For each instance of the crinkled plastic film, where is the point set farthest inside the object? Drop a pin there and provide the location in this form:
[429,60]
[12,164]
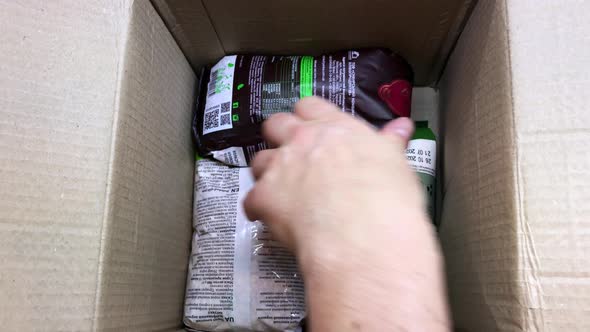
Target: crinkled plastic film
[239,277]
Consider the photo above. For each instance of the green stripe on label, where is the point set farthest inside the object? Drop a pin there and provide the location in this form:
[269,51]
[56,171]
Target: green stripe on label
[306,77]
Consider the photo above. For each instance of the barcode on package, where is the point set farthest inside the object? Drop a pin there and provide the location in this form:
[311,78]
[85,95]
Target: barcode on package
[217,118]
[211,88]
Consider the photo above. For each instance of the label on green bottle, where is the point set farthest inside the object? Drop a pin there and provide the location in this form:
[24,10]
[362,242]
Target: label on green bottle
[421,155]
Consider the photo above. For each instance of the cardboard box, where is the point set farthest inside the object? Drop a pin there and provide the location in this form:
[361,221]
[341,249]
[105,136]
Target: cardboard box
[96,160]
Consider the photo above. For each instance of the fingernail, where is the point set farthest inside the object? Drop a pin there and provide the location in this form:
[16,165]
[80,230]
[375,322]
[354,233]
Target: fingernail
[403,132]
[403,127]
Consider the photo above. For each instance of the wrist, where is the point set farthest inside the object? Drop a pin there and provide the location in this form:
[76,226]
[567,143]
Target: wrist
[395,278]
[388,242]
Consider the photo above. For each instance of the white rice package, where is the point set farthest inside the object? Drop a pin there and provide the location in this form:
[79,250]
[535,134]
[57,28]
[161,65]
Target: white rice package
[239,277]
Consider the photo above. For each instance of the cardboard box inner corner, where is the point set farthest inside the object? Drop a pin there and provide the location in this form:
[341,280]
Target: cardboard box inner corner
[96,159]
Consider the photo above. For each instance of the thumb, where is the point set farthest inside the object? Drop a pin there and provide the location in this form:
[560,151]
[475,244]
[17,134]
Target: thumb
[402,128]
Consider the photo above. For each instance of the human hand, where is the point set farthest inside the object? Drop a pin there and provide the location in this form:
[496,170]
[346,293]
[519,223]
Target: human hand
[332,177]
[341,195]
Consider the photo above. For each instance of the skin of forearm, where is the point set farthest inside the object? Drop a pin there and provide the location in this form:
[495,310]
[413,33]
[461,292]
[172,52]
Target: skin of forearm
[399,287]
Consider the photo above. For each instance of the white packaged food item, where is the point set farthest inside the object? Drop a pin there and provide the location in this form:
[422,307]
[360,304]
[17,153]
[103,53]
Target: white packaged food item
[239,278]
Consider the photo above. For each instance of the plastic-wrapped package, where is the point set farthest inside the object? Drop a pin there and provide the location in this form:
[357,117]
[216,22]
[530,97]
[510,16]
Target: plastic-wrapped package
[239,277]
[243,90]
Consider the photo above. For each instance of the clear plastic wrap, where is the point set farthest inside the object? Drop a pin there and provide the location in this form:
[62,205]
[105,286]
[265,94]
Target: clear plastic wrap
[239,278]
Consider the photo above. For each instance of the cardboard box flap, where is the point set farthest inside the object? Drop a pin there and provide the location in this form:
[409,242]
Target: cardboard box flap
[550,57]
[96,167]
[56,116]
[478,232]
[422,31]
[148,223]
[515,212]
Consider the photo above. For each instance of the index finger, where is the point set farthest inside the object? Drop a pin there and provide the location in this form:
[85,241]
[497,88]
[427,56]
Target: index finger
[279,128]
[316,108]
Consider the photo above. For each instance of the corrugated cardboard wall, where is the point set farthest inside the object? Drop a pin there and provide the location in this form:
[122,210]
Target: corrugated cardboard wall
[550,57]
[96,167]
[479,233]
[191,26]
[422,31]
[517,168]
[147,232]
[58,70]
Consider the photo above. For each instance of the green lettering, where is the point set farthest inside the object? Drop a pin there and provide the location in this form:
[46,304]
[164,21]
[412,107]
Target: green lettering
[306,77]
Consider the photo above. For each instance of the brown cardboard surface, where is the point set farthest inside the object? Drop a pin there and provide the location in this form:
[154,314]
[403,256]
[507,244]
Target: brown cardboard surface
[419,30]
[95,167]
[189,23]
[478,233]
[96,162]
[552,129]
[147,227]
[515,211]
[56,115]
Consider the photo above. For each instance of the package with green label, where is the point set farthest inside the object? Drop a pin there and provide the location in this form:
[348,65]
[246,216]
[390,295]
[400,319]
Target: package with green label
[421,155]
[244,90]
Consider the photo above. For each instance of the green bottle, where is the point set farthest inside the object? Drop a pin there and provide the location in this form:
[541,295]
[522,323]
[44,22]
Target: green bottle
[421,155]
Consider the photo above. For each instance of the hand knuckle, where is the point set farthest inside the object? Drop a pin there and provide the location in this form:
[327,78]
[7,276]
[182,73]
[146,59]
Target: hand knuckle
[302,132]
